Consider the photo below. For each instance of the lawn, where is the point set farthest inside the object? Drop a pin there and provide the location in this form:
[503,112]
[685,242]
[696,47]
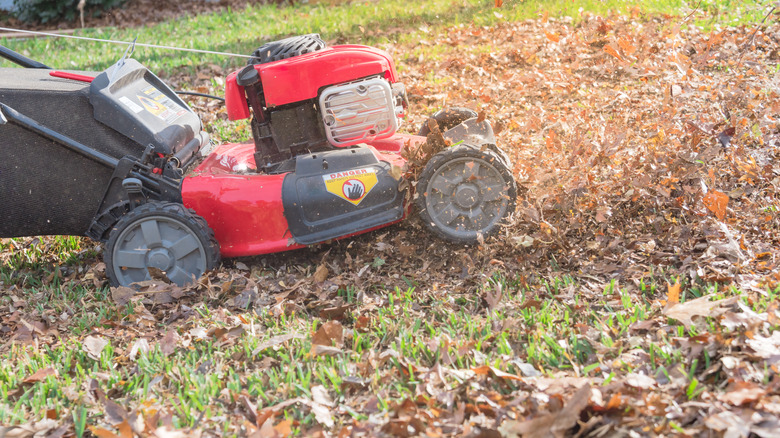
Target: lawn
[634,291]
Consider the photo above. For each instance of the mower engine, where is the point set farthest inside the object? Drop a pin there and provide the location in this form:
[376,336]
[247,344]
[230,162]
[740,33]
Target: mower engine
[308,97]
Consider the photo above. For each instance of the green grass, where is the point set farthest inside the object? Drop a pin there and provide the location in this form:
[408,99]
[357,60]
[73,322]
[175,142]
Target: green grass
[208,377]
[555,324]
[378,23]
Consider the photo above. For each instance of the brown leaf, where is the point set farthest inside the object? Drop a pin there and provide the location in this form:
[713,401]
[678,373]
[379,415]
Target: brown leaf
[122,295]
[102,433]
[93,346]
[698,307]
[321,274]
[555,425]
[611,50]
[41,375]
[481,116]
[493,296]
[495,372]
[276,340]
[324,350]
[740,393]
[168,343]
[717,203]
[329,333]
[673,294]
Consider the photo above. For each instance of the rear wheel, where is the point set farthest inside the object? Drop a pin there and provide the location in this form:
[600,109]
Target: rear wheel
[464,193]
[448,118]
[166,236]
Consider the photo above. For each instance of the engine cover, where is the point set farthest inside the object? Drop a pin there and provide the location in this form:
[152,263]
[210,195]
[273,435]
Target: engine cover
[359,111]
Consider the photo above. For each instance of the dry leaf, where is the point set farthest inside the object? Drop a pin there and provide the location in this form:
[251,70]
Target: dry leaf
[93,346]
[321,274]
[685,312]
[330,333]
[717,203]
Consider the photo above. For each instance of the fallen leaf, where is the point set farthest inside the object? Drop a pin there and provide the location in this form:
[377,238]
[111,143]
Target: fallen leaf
[551,425]
[702,306]
[717,203]
[122,295]
[321,274]
[740,393]
[276,340]
[93,346]
[41,375]
[673,294]
[330,333]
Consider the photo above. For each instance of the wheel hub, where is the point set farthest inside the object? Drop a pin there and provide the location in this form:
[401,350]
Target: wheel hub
[160,258]
[467,195]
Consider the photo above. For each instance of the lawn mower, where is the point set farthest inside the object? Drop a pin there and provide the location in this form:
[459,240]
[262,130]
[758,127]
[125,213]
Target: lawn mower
[118,156]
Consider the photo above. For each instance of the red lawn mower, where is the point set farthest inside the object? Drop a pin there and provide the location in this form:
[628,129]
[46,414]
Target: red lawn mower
[117,156]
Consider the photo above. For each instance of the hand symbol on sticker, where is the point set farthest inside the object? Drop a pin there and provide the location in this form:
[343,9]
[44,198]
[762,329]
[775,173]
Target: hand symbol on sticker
[355,191]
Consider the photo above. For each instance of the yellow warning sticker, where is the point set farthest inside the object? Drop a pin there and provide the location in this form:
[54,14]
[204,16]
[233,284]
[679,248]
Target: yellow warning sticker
[351,185]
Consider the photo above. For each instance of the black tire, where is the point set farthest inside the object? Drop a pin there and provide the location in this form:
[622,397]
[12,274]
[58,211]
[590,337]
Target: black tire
[464,192]
[163,235]
[287,48]
[448,118]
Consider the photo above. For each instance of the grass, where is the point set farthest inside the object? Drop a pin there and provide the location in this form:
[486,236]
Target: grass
[208,376]
[396,334]
[367,22]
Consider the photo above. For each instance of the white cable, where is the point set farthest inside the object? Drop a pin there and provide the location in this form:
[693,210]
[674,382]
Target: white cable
[155,46]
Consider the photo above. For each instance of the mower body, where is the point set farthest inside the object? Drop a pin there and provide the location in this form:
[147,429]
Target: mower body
[118,157]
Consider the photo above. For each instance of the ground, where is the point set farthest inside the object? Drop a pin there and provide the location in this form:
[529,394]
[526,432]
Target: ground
[634,290]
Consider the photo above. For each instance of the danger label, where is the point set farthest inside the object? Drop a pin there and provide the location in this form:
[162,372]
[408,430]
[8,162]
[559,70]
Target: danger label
[351,185]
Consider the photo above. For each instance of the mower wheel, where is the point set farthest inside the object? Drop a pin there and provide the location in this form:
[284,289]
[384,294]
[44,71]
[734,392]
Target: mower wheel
[464,193]
[162,235]
[448,118]
[287,48]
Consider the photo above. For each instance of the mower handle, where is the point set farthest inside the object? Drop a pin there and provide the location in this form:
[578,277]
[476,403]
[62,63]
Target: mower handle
[20,59]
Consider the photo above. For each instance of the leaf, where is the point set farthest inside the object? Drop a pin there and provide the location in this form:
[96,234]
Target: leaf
[551,425]
[140,345]
[122,295]
[93,346]
[493,296]
[168,343]
[102,433]
[320,395]
[740,393]
[321,274]
[495,372]
[717,203]
[41,375]
[640,381]
[276,340]
[499,3]
[611,50]
[685,312]
[673,294]
[552,36]
[329,333]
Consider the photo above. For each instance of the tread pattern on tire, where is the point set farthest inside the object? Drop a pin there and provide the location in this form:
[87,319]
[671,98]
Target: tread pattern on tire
[180,212]
[462,150]
[287,48]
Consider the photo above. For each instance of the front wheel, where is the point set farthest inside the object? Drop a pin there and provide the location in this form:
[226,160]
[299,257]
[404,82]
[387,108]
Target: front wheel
[464,193]
[161,235]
